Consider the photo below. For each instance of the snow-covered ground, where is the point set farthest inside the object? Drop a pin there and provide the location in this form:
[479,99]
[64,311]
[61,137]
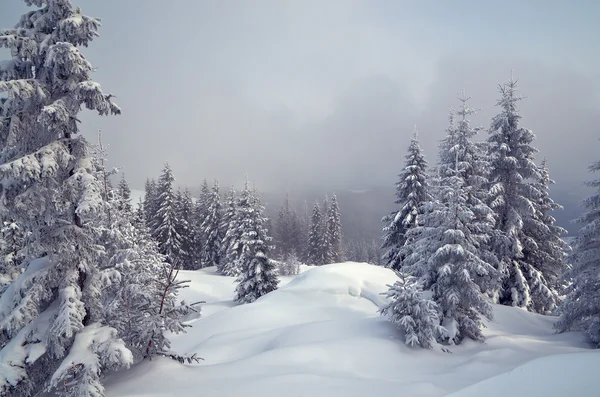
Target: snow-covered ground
[320,335]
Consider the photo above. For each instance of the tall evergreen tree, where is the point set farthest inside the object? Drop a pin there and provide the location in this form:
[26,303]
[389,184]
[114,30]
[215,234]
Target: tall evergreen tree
[411,192]
[140,297]
[212,230]
[334,233]
[445,256]
[515,198]
[229,255]
[581,308]
[184,209]
[124,195]
[150,201]
[51,312]
[12,240]
[165,222]
[258,273]
[315,239]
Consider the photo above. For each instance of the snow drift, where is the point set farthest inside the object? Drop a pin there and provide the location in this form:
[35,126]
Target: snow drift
[320,334]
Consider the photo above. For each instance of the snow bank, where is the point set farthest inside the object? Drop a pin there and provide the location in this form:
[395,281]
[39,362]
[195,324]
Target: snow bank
[320,334]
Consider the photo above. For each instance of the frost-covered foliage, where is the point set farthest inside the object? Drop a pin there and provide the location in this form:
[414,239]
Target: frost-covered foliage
[12,238]
[141,293]
[516,189]
[290,266]
[581,308]
[333,236]
[149,203]
[124,195]
[165,221]
[315,237]
[412,191]
[184,210]
[49,188]
[416,316]
[258,273]
[212,230]
[445,255]
[229,254]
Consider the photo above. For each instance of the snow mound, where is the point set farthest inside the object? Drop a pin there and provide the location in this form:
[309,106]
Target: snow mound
[320,334]
[554,376]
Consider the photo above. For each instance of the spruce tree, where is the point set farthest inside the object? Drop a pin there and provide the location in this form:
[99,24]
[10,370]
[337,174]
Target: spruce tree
[12,240]
[124,194]
[315,240]
[334,233]
[150,203]
[515,199]
[580,310]
[228,264]
[184,209]
[140,296]
[258,273]
[412,190]
[445,256]
[212,230]
[52,329]
[165,222]
[324,232]
[416,316]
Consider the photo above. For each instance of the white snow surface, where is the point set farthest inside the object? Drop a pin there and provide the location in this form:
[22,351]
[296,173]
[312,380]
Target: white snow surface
[320,334]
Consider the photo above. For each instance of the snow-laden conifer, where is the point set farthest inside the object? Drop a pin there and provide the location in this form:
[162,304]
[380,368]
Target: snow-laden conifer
[229,229]
[412,191]
[516,198]
[213,230]
[184,209]
[258,273]
[315,240]
[165,221]
[580,310]
[445,256]
[416,316]
[333,253]
[12,240]
[48,186]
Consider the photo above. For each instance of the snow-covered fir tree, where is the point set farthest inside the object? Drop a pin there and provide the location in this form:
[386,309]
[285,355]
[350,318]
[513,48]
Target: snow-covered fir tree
[150,203]
[515,199]
[165,221]
[445,256]
[416,316]
[53,331]
[140,296]
[580,310]
[185,227]
[213,230]
[458,152]
[412,191]
[315,237]
[124,194]
[333,253]
[12,239]
[258,273]
[228,264]
[545,250]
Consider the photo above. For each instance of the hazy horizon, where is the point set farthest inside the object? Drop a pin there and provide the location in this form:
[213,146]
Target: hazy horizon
[327,93]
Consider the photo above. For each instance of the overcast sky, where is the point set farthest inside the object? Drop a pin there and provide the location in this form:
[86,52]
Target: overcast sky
[326,92]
